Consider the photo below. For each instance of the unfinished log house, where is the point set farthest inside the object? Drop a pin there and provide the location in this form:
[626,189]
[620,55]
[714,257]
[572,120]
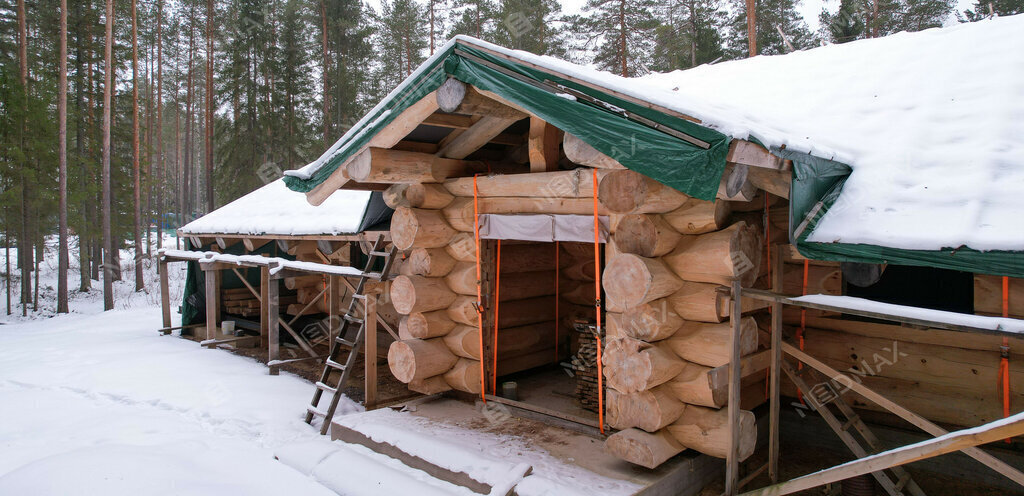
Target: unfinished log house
[558,218]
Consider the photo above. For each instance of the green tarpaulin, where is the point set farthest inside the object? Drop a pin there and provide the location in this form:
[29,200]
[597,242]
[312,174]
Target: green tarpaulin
[671,160]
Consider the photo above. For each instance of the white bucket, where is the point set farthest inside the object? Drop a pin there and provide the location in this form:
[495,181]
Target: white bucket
[227,327]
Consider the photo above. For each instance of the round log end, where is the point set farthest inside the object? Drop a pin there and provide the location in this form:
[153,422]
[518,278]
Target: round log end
[359,168]
[622,191]
[403,294]
[450,94]
[645,235]
[630,280]
[402,361]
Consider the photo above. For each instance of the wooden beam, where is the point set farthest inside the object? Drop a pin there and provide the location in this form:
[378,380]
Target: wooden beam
[370,347]
[416,146]
[915,419]
[382,165]
[544,140]
[273,317]
[453,121]
[389,136]
[776,182]
[457,97]
[580,152]
[264,304]
[749,153]
[211,304]
[477,136]
[732,460]
[165,297]
[962,440]
[774,416]
[252,244]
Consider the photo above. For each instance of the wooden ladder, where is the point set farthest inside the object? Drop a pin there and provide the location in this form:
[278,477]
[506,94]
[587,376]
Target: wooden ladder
[897,479]
[340,345]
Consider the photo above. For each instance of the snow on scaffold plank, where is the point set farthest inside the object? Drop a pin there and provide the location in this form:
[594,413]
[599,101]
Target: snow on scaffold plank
[926,314]
[275,209]
[276,264]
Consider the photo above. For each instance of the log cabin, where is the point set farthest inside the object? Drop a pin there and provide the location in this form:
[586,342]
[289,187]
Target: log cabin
[556,218]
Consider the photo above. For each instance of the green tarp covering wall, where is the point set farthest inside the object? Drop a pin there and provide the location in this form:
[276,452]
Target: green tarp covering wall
[817,184]
[672,161]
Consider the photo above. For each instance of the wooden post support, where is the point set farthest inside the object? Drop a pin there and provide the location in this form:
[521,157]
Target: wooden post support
[165,296]
[333,302]
[211,305]
[732,467]
[264,289]
[370,346]
[273,325]
[776,354]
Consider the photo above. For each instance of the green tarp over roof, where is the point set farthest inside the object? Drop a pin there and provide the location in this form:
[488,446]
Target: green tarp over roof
[672,161]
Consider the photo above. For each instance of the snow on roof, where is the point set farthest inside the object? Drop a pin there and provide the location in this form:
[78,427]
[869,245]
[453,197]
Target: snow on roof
[931,122]
[276,210]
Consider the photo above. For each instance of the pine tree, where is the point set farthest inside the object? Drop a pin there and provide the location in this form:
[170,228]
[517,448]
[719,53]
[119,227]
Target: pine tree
[294,86]
[983,9]
[474,18]
[401,41]
[771,17]
[532,25]
[349,57]
[108,241]
[62,156]
[689,35]
[620,33]
[848,23]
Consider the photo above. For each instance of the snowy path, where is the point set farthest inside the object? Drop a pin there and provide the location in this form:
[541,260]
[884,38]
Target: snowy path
[102,404]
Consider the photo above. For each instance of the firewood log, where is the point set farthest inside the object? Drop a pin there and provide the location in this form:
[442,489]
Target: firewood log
[420,294]
[630,192]
[419,228]
[631,280]
[643,448]
[430,262]
[651,321]
[416,359]
[699,216]
[707,430]
[709,344]
[464,376]
[719,257]
[648,410]
[631,365]
[425,325]
[647,235]
[579,152]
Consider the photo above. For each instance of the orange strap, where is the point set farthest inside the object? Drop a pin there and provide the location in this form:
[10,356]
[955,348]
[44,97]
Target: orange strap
[1004,351]
[803,325]
[768,251]
[557,270]
[597,305]
[497,283]
[479,287]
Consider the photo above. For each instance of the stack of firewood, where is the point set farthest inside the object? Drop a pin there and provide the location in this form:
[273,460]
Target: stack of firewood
[306,288]
[240,301]
[584,366]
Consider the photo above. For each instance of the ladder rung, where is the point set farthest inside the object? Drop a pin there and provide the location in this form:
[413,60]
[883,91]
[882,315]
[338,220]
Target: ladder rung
[379,253]
[316,411]
[345,342]
[850,423]
[325,387]
[904,479]
[334,365]
[359,296]
[353,319]
[372,275]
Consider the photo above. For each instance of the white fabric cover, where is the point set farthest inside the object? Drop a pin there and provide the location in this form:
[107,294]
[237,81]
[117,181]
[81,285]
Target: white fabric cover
[543,227]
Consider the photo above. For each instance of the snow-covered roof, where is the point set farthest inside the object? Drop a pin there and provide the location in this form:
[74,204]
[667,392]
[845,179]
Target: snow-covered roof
[276,210]
[931,122]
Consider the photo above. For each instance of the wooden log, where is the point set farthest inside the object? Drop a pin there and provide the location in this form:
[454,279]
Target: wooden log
[631,280]
[432,196]
[582,294]
[394,196]
[460,212]
[578,250]
[651,321]
[631,365]
[698,301]
[420,228]
[699,216]
[576,183]
[718,257]
[630,192]
[513,342]
[462,247]
[707,430]
[580,270]
[578,151]
[516,286]
[776,182]
[454,96]
[511,313]
[648,410]
[430,385]
[252,244]
[735,184]
[647,235]
[416,359]
[464,376]
[750,153]
[387,166]
[420,294]
[430,262]
[694,386]
[643,448]
[709,344]
[425,325]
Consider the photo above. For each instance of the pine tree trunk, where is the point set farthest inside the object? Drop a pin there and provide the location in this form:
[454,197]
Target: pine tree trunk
[327,65]
[208,130]
[62,163]
[158,182]
[186,165]
[108,242]
[24,239]
[85,283]
[136,168]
